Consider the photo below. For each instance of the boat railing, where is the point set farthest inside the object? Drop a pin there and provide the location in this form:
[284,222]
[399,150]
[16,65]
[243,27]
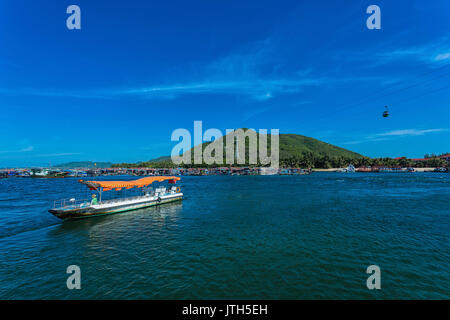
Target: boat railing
[120,199]
[117,200]
[74,203]
[71,203]
[125,199]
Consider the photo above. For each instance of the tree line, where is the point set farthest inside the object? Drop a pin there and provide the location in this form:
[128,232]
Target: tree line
[307,160]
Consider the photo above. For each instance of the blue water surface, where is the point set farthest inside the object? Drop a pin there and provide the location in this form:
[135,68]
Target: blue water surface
[235,237]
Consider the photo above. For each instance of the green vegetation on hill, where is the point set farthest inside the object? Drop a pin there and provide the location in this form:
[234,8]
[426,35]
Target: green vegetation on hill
[84,164]
[305,152]
[295,151]
[295,145]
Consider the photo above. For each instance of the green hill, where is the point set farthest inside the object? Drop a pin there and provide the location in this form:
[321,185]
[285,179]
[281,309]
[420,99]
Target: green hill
[301,151]
[295,151]
[297,145]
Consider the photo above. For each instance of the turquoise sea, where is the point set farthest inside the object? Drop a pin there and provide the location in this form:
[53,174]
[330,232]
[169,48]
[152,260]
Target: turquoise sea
[236,237]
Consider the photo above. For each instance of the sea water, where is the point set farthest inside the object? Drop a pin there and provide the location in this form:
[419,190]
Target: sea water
[240,237]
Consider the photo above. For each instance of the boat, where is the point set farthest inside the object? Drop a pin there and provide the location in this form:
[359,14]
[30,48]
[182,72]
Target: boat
[47,173]
[75,209]
[350,168]
[294,171]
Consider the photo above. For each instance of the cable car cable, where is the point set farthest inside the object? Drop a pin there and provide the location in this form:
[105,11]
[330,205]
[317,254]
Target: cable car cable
[389,93]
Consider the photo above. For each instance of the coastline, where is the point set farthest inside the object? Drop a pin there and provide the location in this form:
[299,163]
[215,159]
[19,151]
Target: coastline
[335,169]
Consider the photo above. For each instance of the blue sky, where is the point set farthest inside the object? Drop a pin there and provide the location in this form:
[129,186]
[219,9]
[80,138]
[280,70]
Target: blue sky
[137,70]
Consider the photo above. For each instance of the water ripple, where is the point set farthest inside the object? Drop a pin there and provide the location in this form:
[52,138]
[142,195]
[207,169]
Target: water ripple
[304,237]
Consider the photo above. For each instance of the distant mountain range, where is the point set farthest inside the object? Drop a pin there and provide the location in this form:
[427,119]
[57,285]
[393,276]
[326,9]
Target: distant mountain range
[83,164]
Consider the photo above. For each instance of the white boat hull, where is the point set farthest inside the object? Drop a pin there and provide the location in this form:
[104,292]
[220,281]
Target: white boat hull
[114,206]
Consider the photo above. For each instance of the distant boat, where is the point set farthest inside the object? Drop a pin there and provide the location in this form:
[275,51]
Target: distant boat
[350,169]
[268,171]
[294,171]
[72,208]
[46,173]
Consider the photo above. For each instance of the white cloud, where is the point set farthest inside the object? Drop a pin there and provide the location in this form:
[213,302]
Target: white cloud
[442,56]
[431,53]
[256,71]
[256,89]
[27,149]
[390,135]
[409,132]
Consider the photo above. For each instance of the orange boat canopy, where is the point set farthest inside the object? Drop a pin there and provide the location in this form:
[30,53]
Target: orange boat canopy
[118,185]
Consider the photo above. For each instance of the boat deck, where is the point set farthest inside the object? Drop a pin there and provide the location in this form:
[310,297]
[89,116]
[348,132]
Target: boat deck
[85,209]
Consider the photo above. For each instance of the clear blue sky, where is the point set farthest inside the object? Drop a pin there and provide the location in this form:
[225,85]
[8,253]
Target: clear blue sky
[137,70]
